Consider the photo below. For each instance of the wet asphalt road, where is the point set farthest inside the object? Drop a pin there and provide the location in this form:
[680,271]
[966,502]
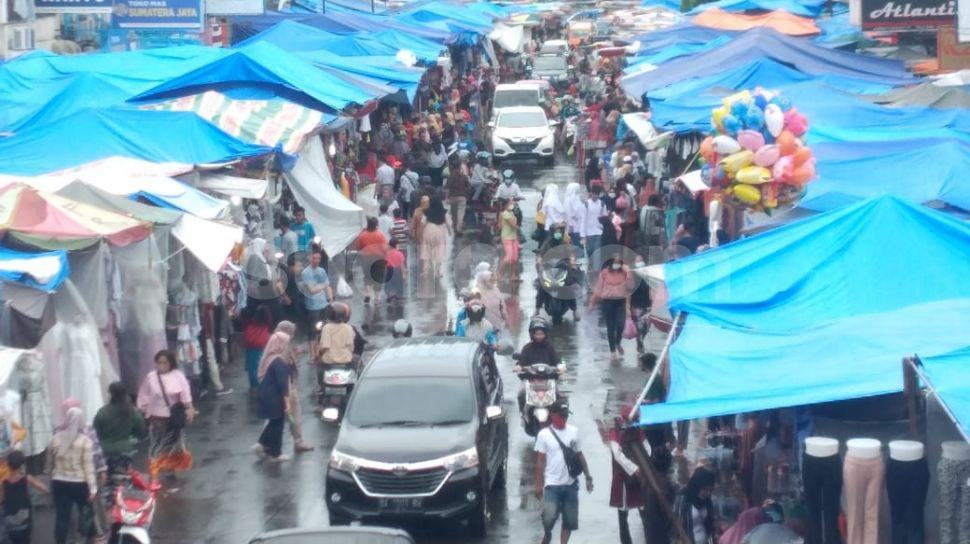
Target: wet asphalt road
[229,497]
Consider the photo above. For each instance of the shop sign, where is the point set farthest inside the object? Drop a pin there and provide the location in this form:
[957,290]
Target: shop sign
[234,7]
[72,6]
[168,14]
[905,14]
[952,54]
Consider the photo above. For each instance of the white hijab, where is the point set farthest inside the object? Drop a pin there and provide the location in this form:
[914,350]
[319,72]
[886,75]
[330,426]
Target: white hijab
[72,427]
[574,205]
[552,206]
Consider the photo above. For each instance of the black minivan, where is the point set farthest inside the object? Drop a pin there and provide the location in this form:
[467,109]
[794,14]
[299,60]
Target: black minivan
[425,436]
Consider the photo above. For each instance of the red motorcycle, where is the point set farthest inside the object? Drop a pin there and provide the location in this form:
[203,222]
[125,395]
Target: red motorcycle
[133,510]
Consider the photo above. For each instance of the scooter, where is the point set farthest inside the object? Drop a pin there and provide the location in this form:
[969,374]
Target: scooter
[541,392]
[133,510]
[338,382]
[561,295]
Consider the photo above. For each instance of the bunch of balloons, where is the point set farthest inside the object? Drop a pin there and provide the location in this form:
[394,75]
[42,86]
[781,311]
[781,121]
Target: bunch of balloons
[755,152]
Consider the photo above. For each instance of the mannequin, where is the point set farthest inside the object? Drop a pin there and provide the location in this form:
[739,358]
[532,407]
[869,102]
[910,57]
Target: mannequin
[81,364]
[822,479]
[907,479]
[953,473]
[863,474]
[35,408]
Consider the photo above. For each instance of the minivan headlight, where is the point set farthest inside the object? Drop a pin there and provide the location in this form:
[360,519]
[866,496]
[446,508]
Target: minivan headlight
[343,462]
[461,460]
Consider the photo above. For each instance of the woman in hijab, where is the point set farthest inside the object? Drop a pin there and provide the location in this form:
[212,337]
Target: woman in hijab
[100,460]
[491,298]
[434,239]
[694,509]
[73,478]
[575,214]
[552,206]
[273,396]
[292,358]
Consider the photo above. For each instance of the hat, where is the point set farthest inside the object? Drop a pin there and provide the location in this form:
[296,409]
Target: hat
[560,407]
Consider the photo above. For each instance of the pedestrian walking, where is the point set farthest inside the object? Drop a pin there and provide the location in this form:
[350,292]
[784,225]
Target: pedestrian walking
[575,215]
[305,233]
[273,402]
[17,506]
[558,456]
[99,513]
[73,477]
[396,272]
[591,230]
[256,333]
[693,508]
[612,290]
[458,188]
[437,159]
[292,358]
[509,233]
[434,237]
[372,245]
[166,400]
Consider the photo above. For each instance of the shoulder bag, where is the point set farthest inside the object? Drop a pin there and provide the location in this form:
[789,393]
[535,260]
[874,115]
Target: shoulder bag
[177,415]
[573,465]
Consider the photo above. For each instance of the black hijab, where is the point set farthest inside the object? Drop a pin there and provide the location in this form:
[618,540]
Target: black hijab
[699,480]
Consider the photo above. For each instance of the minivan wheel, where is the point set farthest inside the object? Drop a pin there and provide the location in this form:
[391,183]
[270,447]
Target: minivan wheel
[478,521]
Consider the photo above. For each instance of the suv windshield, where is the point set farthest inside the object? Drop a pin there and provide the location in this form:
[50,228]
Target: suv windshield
[521,119]
[510,99]
[550,63]
[411,401]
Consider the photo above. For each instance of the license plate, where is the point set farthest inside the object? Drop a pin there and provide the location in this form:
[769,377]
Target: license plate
[538,385]
[404,504]
[335,390]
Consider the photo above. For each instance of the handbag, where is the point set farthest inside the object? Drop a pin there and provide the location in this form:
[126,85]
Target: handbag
[629,329]
[573,465]
[177,415]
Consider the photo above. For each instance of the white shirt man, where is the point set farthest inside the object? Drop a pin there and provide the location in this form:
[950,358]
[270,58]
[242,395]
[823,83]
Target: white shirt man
[385,175]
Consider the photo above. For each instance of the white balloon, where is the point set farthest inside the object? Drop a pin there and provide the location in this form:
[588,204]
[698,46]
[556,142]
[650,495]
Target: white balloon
[726,145]
[774,119]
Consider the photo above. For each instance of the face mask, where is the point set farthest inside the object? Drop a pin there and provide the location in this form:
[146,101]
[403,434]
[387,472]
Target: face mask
[557,236]
[507,181]
[616,266]
[612,195]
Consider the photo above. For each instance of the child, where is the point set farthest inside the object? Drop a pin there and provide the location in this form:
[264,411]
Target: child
[399,231]
[396,272]
[384,221]
[16,499]
[256,334]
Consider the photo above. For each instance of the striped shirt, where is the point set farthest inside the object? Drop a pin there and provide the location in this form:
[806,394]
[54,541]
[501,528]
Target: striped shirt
[399,231]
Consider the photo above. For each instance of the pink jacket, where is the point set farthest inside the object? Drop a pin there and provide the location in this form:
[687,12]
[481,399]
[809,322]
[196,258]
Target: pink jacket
[612,285]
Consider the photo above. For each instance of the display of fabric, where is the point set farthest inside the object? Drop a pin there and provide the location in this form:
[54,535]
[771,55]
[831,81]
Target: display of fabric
[822,480]
[907,483]
[863,480]
[81,364]
[35,404]
[30,314]
[185,312]
[954,501]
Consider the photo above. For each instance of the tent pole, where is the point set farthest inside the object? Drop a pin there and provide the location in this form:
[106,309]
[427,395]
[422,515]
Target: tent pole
[678,321]
[917,365]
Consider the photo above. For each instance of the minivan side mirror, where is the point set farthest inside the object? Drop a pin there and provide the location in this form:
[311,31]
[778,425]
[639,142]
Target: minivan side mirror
[491,124]
[494,412]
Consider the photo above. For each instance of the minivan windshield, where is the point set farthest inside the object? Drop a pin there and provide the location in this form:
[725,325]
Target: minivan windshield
[521,119]
[549,63]
[401,401]
[516,97]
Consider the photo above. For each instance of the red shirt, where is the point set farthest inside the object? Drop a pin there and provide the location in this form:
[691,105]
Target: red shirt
[372,243]
[395,259]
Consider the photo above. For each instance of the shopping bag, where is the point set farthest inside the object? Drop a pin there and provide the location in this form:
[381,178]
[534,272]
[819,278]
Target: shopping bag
[343,288]
[629,329]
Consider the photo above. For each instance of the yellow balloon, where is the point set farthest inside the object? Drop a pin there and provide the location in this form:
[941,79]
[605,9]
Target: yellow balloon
[717,116]
[743,95]
[734,163]
[748,194]
[753,175]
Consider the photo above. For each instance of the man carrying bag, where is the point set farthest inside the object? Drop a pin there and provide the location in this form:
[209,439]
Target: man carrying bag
[559,462]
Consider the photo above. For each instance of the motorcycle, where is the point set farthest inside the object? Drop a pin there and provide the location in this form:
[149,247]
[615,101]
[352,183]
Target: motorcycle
[541,392]
[133,509]
[560,291]
[338,382]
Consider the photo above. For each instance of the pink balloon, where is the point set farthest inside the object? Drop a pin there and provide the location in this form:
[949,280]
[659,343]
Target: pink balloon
[783,169]
[767,155]
[752,140]
[796,122]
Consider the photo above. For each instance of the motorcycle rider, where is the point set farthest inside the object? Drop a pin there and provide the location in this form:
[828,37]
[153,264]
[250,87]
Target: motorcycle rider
[556,250]
[481,173]
[569,108]
[475,326]
[509,187]
[538,350]
[339,341]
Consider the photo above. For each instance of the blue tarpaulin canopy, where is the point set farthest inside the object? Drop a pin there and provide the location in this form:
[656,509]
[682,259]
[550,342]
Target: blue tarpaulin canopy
[949,376]
[819,310]
[45,271]
[246,26]
[859,170]
[94,134]
[383,70]
[293,36]
[263,64]
[675,51]
[801,55]
[657,40]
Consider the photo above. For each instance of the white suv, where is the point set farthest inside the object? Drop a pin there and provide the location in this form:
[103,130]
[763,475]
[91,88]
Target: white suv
[523,132]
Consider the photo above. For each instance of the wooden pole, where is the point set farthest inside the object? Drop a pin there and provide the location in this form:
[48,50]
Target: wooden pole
[633,448]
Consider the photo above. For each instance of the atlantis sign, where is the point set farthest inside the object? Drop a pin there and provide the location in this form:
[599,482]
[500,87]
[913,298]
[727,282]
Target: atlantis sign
[907,14]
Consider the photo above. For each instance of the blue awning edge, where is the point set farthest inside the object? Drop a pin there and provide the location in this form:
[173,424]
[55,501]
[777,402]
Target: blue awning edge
[45,271]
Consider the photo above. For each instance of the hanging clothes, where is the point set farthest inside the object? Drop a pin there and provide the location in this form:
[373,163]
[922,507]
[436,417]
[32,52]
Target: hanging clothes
[81,365]
[187,325]
[35,404]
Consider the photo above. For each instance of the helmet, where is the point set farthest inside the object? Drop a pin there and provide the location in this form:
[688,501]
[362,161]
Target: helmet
[340,312]
[538,323]
[508,176]
[475,311]
[401,329]
[483,157]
